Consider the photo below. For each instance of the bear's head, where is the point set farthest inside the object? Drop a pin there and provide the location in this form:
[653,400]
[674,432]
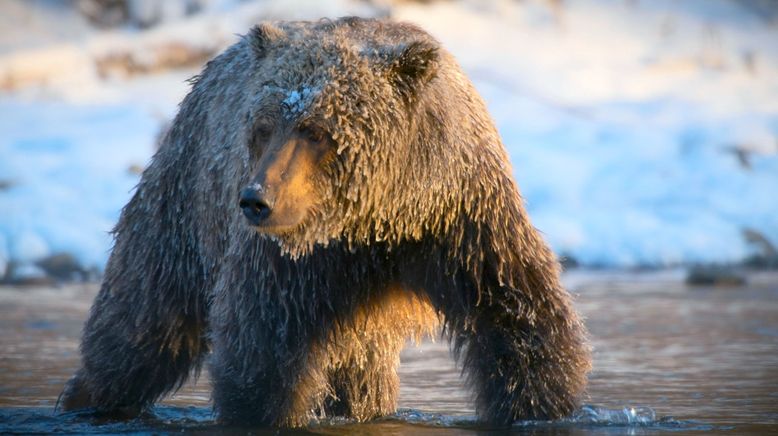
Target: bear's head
[336,148]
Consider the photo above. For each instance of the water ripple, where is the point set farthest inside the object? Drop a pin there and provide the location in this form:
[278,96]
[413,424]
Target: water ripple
[200,419]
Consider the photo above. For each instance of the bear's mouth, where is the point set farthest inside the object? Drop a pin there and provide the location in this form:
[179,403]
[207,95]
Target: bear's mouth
[284,226]
[274,218]
[276,230]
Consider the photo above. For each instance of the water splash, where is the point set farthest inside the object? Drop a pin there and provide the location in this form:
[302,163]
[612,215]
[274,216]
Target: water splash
[627,420]
[588,416]
[412,416]
[636,416]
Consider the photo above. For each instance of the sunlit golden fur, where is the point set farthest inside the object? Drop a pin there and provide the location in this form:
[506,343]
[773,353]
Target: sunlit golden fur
[288,175]
[353,371]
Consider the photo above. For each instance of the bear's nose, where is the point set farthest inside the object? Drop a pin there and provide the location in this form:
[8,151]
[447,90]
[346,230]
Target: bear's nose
[254,207]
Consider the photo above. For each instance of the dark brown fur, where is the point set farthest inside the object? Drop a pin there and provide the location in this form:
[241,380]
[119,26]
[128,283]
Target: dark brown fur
[412,216]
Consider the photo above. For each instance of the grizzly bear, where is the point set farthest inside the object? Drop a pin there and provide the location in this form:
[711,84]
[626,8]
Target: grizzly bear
[327,190]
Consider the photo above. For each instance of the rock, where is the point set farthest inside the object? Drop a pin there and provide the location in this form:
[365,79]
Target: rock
[568,261]
[62,267]
[6,184]
[104,13]
[714,276]
[152,58]
[765,254]
[26,274]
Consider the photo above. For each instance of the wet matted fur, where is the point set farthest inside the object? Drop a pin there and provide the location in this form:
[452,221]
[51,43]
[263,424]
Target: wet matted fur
[417,219]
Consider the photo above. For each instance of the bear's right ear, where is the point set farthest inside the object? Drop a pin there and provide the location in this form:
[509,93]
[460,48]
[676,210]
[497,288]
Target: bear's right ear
[261,36]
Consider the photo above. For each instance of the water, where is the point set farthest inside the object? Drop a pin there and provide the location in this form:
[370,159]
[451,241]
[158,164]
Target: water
[667,358]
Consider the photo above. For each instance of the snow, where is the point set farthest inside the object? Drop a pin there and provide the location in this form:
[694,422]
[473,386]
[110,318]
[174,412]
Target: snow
[623,120]
[640,132]
[69,173]
[297,101]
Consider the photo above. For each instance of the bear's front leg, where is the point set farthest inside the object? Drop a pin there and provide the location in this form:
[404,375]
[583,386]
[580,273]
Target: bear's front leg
[525,354]
[145,331]
[259,387]
[265,368]
[132,354]
[522,370]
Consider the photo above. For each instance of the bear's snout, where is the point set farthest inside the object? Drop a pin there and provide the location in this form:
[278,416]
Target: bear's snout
[255,208]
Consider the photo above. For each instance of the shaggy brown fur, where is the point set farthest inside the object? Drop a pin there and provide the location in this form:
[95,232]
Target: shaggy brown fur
[412,215]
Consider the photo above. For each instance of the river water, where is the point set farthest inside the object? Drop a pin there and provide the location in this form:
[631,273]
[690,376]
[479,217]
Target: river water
[667,358]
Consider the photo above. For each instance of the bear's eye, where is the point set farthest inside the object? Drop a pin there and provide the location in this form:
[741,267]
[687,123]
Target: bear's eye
[262,133]
[313,133]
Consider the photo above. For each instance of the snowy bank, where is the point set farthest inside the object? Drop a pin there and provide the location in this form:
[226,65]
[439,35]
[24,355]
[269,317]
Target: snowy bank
[641,133]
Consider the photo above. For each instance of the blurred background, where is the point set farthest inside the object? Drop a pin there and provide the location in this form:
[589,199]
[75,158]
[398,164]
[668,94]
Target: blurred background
[643,134]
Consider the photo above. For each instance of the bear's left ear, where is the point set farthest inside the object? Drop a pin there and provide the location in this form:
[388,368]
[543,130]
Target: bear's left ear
[261,36]
[411,66]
